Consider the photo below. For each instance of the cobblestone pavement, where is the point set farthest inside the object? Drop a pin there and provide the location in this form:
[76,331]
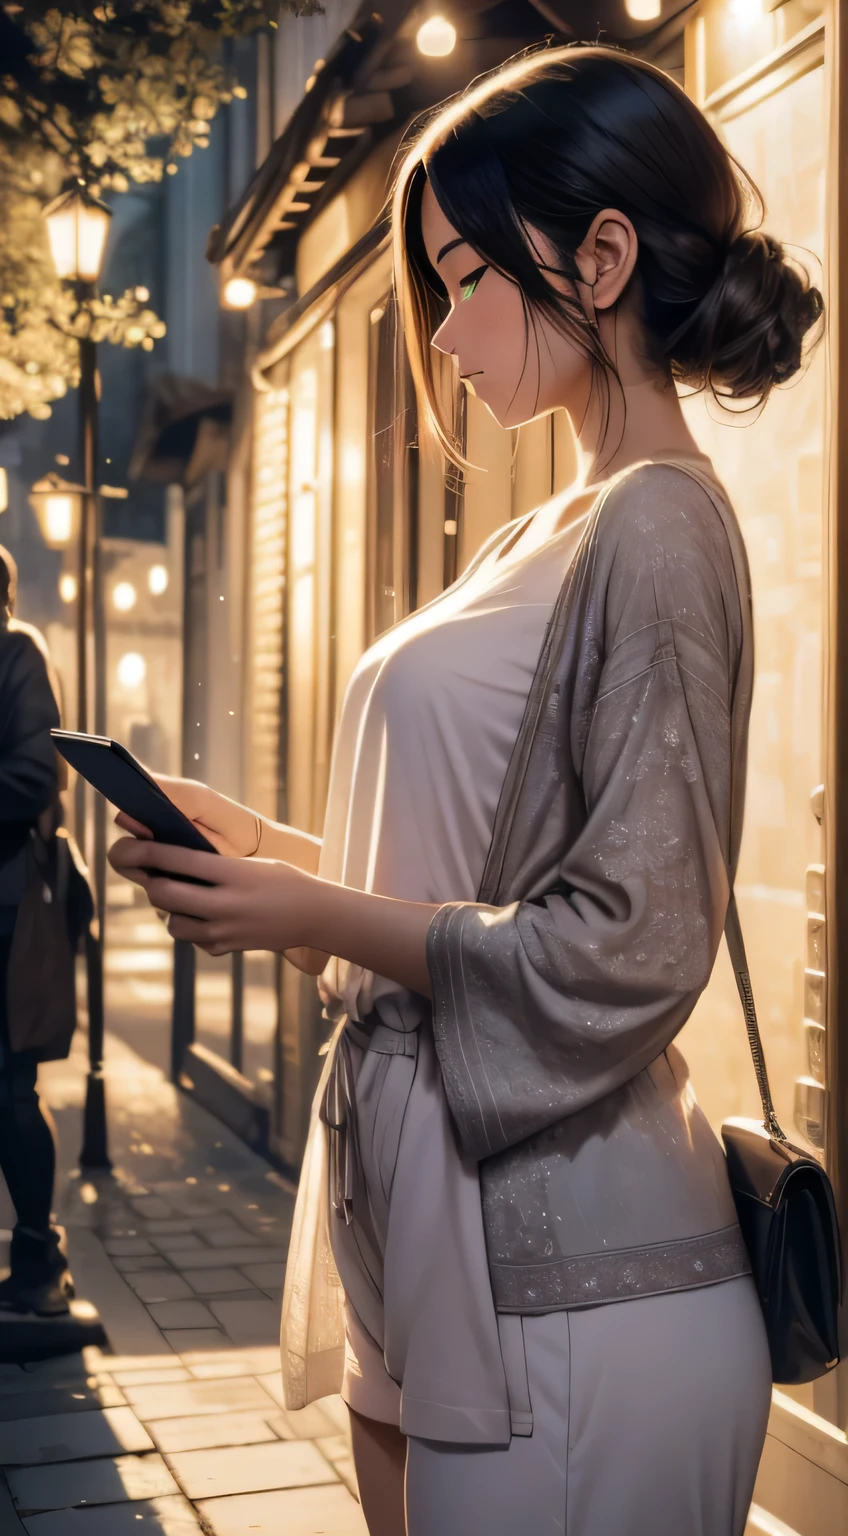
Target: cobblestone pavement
[178,1428]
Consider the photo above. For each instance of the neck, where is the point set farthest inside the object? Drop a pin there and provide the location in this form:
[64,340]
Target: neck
[643,420]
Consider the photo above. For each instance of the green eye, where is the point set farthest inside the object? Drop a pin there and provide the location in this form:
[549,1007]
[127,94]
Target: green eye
[469,283]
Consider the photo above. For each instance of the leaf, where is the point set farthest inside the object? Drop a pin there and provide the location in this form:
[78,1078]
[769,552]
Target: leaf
[10,112]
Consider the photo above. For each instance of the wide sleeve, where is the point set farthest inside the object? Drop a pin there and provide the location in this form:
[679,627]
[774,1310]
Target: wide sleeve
[543,1007]
[28,710]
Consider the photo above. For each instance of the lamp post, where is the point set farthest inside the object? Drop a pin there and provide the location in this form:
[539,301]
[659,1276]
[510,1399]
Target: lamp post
[77,227]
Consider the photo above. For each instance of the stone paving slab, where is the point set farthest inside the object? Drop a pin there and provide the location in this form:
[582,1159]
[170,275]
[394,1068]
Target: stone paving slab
[206,1431]
[210,1258]
[181,1339]
[181,1314]
[264,1274]
[177,1400]
[211,1282]
[72,1437]
[140,1265]
[128,1247]
[151,1377]
[160,1285]
[105,1481]
[298,1512]
[250,1468]
[255,1361]
[76,1398]
[10,1523]
[246,1322]
[169,1516]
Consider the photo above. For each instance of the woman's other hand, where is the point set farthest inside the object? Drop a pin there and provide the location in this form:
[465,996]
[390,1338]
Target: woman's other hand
[247,904]
[232,829]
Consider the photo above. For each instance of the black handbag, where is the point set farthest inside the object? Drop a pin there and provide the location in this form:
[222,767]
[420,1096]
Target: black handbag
[787,1213]
[56,911]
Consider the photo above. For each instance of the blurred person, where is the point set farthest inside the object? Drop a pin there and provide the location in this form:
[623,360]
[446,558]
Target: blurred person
[29,802]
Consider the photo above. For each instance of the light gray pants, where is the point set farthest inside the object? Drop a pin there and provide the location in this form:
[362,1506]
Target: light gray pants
[649,1419]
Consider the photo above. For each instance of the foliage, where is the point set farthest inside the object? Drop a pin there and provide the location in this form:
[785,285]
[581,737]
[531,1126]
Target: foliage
[113,93]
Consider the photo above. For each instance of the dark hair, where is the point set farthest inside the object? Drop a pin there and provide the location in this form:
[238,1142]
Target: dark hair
[8,580]
[551,139]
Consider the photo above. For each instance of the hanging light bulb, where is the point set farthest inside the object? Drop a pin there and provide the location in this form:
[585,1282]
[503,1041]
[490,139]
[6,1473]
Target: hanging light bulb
[436,38]
[643,10]
[239,293]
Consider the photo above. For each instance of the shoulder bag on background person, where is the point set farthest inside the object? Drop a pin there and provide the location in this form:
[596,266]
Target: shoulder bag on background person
[56,910]
[787,1213]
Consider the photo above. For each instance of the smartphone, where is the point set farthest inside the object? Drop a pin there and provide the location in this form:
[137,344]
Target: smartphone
[112,770]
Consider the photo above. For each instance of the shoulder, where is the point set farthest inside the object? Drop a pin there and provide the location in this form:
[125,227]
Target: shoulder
[664,553]
[26,667]
[28,641]
[660,510]
[659,528]
[26,653]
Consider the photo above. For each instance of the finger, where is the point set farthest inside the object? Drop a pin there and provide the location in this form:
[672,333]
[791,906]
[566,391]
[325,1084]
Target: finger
[191,930]
[179,861]
[128,853]
[124,865]
[129,824]
[177,896]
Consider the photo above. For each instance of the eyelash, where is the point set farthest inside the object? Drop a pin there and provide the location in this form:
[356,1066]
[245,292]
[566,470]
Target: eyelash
[469,283]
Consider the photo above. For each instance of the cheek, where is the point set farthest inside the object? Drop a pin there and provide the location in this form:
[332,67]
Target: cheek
[490,336]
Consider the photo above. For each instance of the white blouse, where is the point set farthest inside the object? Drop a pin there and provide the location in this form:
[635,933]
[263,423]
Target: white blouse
[429,721]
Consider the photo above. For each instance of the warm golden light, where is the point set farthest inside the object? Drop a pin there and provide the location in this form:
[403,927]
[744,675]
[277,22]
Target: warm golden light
[77,226]
[56,503]
[643,10]
[4,491]
[124,596]
[239,293]
[132,670]
[68,587]
[436,38]
[59,513]
[157,580]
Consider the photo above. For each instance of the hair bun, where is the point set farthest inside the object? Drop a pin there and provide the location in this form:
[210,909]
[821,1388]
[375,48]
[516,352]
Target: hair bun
[747,334]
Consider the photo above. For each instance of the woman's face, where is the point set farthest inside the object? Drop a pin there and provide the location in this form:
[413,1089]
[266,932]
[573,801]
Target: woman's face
[518,363]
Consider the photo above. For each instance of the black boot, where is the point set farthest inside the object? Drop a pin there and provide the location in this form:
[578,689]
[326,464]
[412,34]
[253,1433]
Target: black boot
[40,1280]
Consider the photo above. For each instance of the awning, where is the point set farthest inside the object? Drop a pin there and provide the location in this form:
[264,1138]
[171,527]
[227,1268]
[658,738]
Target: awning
[183,430]
[375,82]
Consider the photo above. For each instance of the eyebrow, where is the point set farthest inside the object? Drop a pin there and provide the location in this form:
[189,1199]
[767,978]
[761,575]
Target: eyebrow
[451,245]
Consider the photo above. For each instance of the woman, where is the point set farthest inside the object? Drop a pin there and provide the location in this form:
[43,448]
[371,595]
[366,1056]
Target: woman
[533,826]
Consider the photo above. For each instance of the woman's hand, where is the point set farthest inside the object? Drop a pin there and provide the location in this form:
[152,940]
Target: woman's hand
[265,904]
[231,828]
[248,903]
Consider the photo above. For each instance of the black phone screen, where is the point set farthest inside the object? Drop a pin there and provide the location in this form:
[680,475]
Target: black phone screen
[112,770]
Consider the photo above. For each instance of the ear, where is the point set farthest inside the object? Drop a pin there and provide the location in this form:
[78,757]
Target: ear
[607,256]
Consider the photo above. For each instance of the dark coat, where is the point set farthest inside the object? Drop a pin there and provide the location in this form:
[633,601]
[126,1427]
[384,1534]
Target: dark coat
[29,775]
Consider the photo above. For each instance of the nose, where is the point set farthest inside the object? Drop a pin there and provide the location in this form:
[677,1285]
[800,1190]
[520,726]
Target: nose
[441,339]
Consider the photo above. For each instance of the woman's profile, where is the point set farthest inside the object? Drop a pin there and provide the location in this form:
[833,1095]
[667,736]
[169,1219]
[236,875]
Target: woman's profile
[515,1248]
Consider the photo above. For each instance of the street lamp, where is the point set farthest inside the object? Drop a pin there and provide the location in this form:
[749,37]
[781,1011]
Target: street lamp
[57,505]
[77,227]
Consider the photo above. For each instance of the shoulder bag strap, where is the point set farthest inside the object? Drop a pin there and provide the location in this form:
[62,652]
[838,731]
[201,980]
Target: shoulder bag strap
[736,946]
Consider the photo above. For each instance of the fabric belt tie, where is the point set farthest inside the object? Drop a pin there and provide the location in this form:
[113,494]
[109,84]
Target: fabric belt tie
[337,1109]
